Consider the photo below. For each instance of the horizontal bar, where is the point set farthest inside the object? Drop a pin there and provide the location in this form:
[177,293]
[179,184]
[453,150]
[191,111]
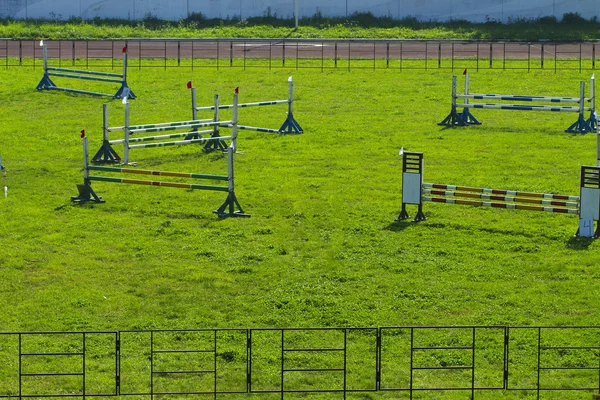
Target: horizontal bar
[211,371]
[173,127]
[501,198]
[501,205]
[155,393]
[160,137]
[519,98]
[242,105]
[314,370]
[522,108]
[53,354]
[448,367]
[252,128]
[56,374]
[398,389]
[181,142]
[86,78]
[499,191]
[443,348]
[162,124]
[315,349]
[569,347]
[159,173]
[79,91]
[155,183]
[184,351]
[568,368]
[83,71]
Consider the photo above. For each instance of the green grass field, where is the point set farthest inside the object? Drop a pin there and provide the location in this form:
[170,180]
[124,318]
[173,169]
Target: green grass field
[322,248]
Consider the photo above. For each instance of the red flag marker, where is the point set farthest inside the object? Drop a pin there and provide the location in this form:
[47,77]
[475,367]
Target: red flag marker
[82,133]
[237,90]
[124,49]
[465,72]
[189,84]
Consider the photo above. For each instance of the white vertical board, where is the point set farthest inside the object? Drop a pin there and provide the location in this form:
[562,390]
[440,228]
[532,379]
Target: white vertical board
[590,204]
[411,188]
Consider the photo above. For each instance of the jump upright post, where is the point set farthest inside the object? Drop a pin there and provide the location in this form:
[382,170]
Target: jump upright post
[213,144]
[466,118]
[587,205]
[47,84]
[230,208]
[106,153]
[289,126]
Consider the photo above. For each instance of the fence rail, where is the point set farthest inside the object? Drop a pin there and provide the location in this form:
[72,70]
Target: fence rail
[306,53]
[342,361]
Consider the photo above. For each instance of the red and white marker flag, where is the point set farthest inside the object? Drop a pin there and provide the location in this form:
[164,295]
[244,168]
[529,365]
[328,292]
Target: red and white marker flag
[189,84]
[82,133]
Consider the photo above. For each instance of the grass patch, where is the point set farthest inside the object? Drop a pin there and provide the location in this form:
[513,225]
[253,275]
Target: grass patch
[322,247]
[571,26]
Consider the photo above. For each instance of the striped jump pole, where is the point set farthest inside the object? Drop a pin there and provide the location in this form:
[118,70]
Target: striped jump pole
[587,205]
[290,125]
[47,84]
[466,117]
[230,208]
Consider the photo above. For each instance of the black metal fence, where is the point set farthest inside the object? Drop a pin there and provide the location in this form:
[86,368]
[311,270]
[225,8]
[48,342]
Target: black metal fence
[303,53]
[329,362]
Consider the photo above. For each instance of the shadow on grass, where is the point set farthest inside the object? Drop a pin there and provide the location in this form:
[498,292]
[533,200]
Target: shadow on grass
[579,243]
[576,243]
[400,225]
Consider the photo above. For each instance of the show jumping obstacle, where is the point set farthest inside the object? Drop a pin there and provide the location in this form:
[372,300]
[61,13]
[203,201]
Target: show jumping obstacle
[466,118]
[106,153]
[230,208]
[47,83]
[289,126]
[587,205]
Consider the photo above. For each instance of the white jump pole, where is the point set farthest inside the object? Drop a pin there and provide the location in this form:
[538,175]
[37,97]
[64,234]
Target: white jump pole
[86,172]
[215,115]
[105,121]
[581,99]
[234,121]
[125,66]
[454,92]
[127,131]
[290,95]
[194,105]
[593,94]
[467,81]
[45,58]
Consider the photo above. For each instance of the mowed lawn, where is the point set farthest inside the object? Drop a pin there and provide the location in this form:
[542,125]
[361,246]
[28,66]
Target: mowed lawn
[322,247]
